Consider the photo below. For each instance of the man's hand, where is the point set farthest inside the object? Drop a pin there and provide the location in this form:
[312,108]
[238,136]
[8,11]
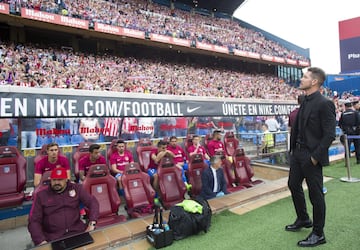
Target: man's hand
[43,242]
[91,226]
[313,161]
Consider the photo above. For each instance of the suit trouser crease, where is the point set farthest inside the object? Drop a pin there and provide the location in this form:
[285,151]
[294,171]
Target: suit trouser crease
[302,168]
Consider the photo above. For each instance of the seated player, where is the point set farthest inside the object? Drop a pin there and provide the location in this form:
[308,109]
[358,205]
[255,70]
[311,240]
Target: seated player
[118,160]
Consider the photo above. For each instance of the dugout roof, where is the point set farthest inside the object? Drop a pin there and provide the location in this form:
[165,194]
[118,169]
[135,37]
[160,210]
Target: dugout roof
[225,6]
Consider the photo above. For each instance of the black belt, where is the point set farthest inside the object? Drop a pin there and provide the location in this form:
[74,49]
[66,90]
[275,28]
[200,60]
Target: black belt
[300,146]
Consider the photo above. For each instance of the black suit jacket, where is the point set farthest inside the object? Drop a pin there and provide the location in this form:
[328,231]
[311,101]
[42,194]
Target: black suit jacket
[207,186]
[319,127]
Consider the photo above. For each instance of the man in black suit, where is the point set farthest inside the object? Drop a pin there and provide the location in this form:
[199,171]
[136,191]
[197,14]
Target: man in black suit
[213,180]
[311,137]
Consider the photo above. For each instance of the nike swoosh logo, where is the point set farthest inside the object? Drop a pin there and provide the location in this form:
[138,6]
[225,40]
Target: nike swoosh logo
[190,110]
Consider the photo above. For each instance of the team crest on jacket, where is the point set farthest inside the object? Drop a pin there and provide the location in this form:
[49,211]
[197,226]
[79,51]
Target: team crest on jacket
[72,193]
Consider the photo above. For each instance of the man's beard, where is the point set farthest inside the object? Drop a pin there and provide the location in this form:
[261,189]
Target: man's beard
[57,188]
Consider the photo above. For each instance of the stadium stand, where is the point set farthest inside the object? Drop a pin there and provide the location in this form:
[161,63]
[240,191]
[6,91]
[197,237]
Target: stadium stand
[126,74]
[154,18]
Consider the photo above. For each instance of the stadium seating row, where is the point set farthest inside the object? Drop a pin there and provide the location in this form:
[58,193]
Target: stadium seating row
[154,18]
[139,193]
[30,66]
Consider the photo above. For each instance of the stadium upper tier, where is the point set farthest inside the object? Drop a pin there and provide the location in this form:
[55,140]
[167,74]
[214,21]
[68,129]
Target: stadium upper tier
[63,68]
[157,19]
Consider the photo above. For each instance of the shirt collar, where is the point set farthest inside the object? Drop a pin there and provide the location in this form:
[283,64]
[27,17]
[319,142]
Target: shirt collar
[312,96]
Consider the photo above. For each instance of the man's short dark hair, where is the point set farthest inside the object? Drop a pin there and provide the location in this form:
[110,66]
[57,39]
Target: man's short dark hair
[217,131]
[120,141]
[195,136]
[173,137]
[214,158]
[161,143]
[52,144]
[318,74]
[93,147]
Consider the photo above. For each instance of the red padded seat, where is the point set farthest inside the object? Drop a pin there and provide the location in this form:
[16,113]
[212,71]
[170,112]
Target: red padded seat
[139,194]
[12,177]
[103,186]
[172,188]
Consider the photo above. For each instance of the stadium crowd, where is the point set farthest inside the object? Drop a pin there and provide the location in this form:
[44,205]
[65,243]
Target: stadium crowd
[154,18]
[58,68]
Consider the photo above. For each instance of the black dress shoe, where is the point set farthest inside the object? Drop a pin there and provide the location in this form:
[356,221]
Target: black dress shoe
[312,240]
[298,224]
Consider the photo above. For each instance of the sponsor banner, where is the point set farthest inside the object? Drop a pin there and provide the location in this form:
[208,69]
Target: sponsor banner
[267,58]
[133,33]
[279,59]
[74,22]
[18,104]
[160,38]
[221,49]
[105,28]
[181,42]
[205,46]
[4,8]
[304,63]
[240,53]
[349,28]
[291,61]
[254,55]
[350,55]
[54,18]
[38,15]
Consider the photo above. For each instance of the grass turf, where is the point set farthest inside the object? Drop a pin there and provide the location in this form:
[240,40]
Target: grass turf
[263,228]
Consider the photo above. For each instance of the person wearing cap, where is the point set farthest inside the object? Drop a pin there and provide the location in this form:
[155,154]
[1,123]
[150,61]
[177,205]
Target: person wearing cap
[55,211]
[356,104]
[349,122]
[53,160]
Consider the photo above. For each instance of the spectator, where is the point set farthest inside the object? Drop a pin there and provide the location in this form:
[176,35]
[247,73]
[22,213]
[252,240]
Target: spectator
[28,133]
[350,124]
[145,127]
[267,143]
[181,126]
[111,128]
[5,130]
[129,128]
[272,124]
[90,129]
